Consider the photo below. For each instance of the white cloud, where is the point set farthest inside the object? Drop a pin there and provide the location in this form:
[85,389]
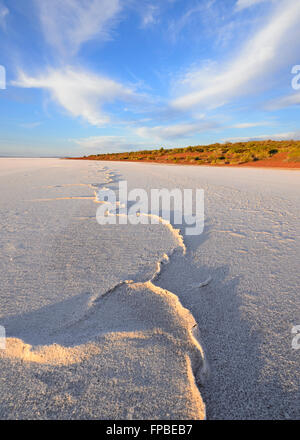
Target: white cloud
[165,132]
[3,14]
[250,124]
[176,26]
[243,4]
[67,24]
[81,93]
[286,101]
[150,15]
[30,125]
[272,48]
[276,137]
[107,143]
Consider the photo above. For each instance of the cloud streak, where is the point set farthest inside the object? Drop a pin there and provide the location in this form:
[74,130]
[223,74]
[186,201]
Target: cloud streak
[244,4]
[295,135]
[3,14]
[80,93]
[250,124]
[267,51]
[284,102]
[107,143]
[67,24]
[170,132]
[149,15]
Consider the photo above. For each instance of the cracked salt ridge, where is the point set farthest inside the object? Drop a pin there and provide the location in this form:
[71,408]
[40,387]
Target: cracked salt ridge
[197,358]
[199,363]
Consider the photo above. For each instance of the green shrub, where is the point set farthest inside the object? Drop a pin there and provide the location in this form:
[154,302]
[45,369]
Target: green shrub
[272,152]
[294,155]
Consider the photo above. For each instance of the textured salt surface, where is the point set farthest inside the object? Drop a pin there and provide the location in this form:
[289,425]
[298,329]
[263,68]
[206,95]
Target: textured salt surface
[248,256]
[85,345]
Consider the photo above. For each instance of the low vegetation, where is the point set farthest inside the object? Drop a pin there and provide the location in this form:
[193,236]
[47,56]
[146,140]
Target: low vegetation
[286,152]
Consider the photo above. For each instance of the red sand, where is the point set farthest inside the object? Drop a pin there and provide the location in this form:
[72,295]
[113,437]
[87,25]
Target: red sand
[277,161]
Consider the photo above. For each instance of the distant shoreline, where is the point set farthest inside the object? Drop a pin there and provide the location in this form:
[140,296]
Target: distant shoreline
[257,154]
[285,166]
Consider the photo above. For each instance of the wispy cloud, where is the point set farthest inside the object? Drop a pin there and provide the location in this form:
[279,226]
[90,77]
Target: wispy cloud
[276,137]
[265,53]
[243,4]
[285,101]
[250,124]
[30,125]
[107,143]
[169,132]
[176,26]
[67,24]
[150,15]
[3,14]
[81,93]
[148,11]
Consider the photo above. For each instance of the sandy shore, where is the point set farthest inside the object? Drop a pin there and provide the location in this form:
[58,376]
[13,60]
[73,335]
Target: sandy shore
[83,344]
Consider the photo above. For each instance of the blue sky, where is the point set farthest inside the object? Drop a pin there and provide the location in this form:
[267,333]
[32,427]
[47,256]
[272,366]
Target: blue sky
[92,76]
